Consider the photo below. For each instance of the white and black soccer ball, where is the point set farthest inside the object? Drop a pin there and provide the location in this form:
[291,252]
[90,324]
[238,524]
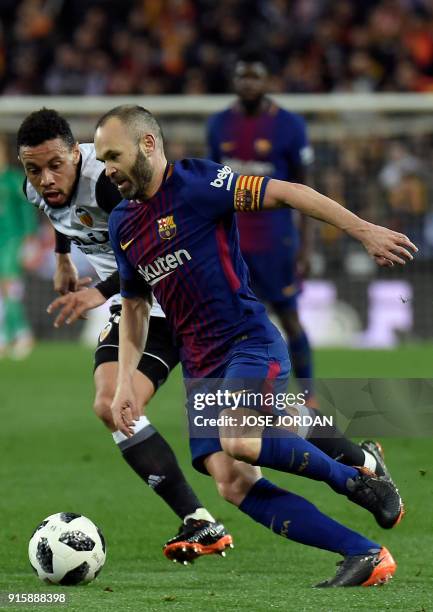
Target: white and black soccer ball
[67,548]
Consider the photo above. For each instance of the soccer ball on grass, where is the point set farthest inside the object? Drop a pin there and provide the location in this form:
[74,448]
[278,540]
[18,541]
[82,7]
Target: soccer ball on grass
[67,548]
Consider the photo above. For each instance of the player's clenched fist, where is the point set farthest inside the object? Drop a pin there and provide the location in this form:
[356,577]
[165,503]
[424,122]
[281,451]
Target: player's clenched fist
[73,305]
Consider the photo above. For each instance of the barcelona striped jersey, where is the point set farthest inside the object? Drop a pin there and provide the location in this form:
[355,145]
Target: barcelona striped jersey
[184,244]
[273,143]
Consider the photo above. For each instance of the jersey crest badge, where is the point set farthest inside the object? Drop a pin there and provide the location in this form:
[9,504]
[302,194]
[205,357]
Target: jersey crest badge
[263,146]
[167,227]
[227,146]
[243,199]
[84,216]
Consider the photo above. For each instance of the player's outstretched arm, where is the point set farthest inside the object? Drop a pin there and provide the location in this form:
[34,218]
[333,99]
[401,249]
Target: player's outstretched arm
[384,245]
[133,329]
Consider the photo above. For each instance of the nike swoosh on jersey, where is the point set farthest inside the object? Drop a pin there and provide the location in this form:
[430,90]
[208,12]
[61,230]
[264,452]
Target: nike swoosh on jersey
[126,245]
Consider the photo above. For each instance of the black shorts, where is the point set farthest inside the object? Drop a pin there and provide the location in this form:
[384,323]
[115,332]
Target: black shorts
[159,357]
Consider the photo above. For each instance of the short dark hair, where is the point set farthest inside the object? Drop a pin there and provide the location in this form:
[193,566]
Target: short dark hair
[135,118]
[42,125]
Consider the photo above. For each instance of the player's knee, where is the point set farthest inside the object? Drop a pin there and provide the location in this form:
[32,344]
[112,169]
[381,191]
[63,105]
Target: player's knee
[102,409]
[243,449]
[233,488]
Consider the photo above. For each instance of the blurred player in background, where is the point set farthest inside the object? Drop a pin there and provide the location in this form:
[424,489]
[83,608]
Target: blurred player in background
[256,137]
[69,185]
[17,223]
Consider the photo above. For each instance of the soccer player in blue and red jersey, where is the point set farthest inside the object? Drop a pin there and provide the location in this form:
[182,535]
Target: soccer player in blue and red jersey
[256,137]
[175,234]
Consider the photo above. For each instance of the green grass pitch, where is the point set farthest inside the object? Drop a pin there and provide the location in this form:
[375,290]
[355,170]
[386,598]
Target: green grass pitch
[56,456]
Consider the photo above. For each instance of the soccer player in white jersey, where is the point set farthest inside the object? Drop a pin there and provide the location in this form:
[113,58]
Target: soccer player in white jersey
[66,182]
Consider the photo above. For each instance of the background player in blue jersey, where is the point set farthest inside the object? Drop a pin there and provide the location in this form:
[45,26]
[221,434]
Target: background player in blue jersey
[176,234]
[255,136]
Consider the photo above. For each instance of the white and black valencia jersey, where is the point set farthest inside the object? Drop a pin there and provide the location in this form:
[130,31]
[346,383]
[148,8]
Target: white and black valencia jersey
[84,220]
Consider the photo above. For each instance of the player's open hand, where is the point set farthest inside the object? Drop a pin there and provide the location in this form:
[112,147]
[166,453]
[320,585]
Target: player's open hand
[74,305]
[386,246]
[124,410]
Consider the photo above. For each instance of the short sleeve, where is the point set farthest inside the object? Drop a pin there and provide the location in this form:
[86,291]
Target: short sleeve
[217,191]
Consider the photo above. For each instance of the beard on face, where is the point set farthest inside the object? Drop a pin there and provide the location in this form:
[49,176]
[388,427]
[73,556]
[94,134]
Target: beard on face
[141,175]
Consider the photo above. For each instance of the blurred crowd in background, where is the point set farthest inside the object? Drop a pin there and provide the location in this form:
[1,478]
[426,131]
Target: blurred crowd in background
[387,181]
[100,47]
[188,46]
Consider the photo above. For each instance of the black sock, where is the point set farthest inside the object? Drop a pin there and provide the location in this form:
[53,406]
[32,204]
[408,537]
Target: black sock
[345,451]
[150,456]
[337,446]
[332,442]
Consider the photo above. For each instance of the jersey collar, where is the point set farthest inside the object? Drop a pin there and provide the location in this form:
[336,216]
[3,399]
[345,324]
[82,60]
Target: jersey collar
[266,106]
[167,173]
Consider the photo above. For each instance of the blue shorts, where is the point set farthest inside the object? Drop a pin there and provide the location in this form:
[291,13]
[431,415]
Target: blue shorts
[267,364]
[273,275]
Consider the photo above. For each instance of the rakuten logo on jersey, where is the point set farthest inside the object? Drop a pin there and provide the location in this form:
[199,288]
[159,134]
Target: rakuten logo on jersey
[163,266]
[225,172]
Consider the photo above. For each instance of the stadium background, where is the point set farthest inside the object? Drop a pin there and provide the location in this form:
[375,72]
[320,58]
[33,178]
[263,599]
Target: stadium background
[361,74]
